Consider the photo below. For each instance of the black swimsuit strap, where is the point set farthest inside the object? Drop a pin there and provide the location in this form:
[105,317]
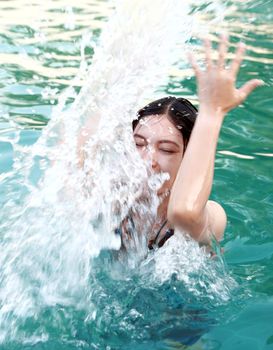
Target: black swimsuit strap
[159,231]
[169,233]
[152,242]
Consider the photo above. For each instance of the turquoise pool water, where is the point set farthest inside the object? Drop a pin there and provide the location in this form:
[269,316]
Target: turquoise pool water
[40,54]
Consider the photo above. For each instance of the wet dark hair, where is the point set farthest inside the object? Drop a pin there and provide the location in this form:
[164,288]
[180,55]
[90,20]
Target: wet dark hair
[179,110]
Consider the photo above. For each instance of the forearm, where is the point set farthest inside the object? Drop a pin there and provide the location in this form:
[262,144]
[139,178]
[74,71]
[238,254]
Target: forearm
[85,134]
[192,187]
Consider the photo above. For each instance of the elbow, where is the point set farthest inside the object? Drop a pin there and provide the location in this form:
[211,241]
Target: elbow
[184,218]
[188,220]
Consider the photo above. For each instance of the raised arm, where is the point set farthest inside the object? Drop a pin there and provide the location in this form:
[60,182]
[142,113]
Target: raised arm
[85,134]
[189,207]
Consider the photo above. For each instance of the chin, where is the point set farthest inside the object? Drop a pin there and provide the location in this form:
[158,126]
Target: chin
[165,189]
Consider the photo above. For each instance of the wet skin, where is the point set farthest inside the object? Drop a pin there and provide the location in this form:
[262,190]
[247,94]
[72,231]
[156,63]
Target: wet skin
[160,144]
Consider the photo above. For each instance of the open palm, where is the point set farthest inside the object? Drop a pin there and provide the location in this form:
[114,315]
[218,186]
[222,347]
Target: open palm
[216,83]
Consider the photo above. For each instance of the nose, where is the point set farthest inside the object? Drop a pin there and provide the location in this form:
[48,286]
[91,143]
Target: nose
[150,156]
[154,159]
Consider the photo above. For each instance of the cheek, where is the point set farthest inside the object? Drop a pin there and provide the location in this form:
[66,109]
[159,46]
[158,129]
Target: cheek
[171,164]
[142,152]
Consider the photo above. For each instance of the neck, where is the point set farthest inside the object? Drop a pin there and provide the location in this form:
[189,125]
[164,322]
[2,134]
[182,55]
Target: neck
[162,210]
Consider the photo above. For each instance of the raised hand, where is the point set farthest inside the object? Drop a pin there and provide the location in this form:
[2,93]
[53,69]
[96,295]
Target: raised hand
[217,90]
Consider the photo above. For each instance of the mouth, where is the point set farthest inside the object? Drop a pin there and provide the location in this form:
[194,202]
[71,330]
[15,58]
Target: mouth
[163,193]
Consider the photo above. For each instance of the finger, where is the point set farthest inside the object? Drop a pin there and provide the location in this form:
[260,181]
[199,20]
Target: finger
[194,64]
[223,47]
[238,59]
[207,45]
[246,89]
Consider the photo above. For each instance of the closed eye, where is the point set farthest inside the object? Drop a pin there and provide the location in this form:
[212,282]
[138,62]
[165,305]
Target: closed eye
[168,146]
[140,141]
[170,151]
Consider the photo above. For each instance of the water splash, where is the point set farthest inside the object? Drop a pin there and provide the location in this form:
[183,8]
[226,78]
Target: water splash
[58,216]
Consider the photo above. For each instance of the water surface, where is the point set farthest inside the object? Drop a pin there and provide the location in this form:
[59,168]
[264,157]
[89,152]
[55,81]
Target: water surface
[41,51]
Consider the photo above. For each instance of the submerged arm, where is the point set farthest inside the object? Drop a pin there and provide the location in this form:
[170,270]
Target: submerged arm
[189,207]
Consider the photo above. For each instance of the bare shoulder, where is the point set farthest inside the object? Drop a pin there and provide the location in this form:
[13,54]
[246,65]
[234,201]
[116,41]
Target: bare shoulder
[217,218]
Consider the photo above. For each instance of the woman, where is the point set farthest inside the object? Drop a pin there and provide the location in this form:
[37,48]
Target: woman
[166,137]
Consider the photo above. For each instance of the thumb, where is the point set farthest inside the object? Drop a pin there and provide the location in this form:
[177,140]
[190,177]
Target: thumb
[246,89]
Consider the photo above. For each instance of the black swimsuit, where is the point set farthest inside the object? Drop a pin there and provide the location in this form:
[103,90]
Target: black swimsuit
[169,233]
[152,242]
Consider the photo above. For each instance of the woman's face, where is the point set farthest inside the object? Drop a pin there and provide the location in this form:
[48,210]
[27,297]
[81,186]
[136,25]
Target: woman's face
[160,143]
